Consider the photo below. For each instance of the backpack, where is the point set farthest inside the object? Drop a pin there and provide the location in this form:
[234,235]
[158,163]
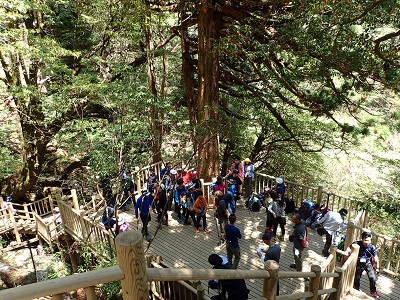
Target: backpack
[305,241]
[254,204]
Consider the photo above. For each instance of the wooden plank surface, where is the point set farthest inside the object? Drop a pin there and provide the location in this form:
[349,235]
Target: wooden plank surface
[181,247]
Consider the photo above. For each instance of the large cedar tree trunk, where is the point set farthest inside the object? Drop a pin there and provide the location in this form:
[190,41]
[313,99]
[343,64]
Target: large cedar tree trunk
[208,94]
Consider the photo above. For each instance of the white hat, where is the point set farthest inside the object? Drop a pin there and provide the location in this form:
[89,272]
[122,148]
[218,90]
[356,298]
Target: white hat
[173,172]
[279,180]
[121,219]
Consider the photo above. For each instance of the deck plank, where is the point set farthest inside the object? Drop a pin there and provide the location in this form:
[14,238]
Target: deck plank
[180,247]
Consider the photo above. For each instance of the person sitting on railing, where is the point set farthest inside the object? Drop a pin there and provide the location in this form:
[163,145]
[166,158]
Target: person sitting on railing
[367,260]
[235,288]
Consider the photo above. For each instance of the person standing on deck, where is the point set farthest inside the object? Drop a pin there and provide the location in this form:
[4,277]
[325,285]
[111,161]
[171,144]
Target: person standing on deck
[232,235]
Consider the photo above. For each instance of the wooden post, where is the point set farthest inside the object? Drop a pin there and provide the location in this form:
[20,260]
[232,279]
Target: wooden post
[85,232]
[14,224]
[51,203]
[201,290]
[319,194]
[314,282]
[271,284]
[338,285]
[94,202]
[131,260]
[72,256]
[351,270]
[349,238]
[75,199]
[90,293]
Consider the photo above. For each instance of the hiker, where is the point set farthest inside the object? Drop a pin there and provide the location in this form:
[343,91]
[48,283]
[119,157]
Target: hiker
[161,204]
[107,218]
[237,165]
[248,176]
[166,170]
[222,213]
[219,185]
[235,288]
[200,208]
[191,197]
[280,188]
[232,235]
[151,179]
[367,260]
[277,209]
[328,225]
[179,199]
[273,252]
[298,238]
[128,192]
[143,205]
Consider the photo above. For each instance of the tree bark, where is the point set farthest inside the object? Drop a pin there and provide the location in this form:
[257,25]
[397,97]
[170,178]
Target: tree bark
[208,94]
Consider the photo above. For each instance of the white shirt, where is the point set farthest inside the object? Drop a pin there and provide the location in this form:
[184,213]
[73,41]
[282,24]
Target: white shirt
[332,222]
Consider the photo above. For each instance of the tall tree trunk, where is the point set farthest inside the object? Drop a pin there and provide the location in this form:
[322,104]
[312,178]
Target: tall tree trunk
[156,121]
[208,98]
[188,74]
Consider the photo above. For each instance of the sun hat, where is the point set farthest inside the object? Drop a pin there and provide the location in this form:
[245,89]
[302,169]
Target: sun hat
[247,159]
[279,180]
[173,172]
[121,219]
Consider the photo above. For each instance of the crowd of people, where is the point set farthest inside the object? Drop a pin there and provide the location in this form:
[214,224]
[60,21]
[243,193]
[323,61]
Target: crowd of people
[182,193]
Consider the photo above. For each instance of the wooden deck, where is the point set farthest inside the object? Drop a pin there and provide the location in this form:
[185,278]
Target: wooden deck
[180,247]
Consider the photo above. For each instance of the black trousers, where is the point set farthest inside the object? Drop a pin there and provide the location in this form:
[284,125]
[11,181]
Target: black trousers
[371,276]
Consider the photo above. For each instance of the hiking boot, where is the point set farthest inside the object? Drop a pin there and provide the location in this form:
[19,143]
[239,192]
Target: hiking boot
[293,266]
[207,230]
[197,230]
[375,295]
[179,220]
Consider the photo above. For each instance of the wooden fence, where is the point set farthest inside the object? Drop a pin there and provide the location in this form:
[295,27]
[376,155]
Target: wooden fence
[300,192]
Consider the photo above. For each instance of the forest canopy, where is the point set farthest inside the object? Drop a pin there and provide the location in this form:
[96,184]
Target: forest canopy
[305,89]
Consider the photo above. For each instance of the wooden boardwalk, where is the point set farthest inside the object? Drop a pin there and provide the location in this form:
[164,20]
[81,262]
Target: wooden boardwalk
[180,247]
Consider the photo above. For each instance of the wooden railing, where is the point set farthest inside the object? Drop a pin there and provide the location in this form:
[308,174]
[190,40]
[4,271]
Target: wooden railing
[348,271]
[136,278]
[300,192]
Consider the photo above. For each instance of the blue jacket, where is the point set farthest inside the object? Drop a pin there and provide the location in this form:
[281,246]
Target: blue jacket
[145,208]
[233,235]
[179,192]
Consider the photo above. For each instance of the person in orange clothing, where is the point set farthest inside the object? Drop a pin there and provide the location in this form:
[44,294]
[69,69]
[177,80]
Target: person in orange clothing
[200,208]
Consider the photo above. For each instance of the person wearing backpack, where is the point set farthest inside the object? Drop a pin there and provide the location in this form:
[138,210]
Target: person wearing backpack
[299,240]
